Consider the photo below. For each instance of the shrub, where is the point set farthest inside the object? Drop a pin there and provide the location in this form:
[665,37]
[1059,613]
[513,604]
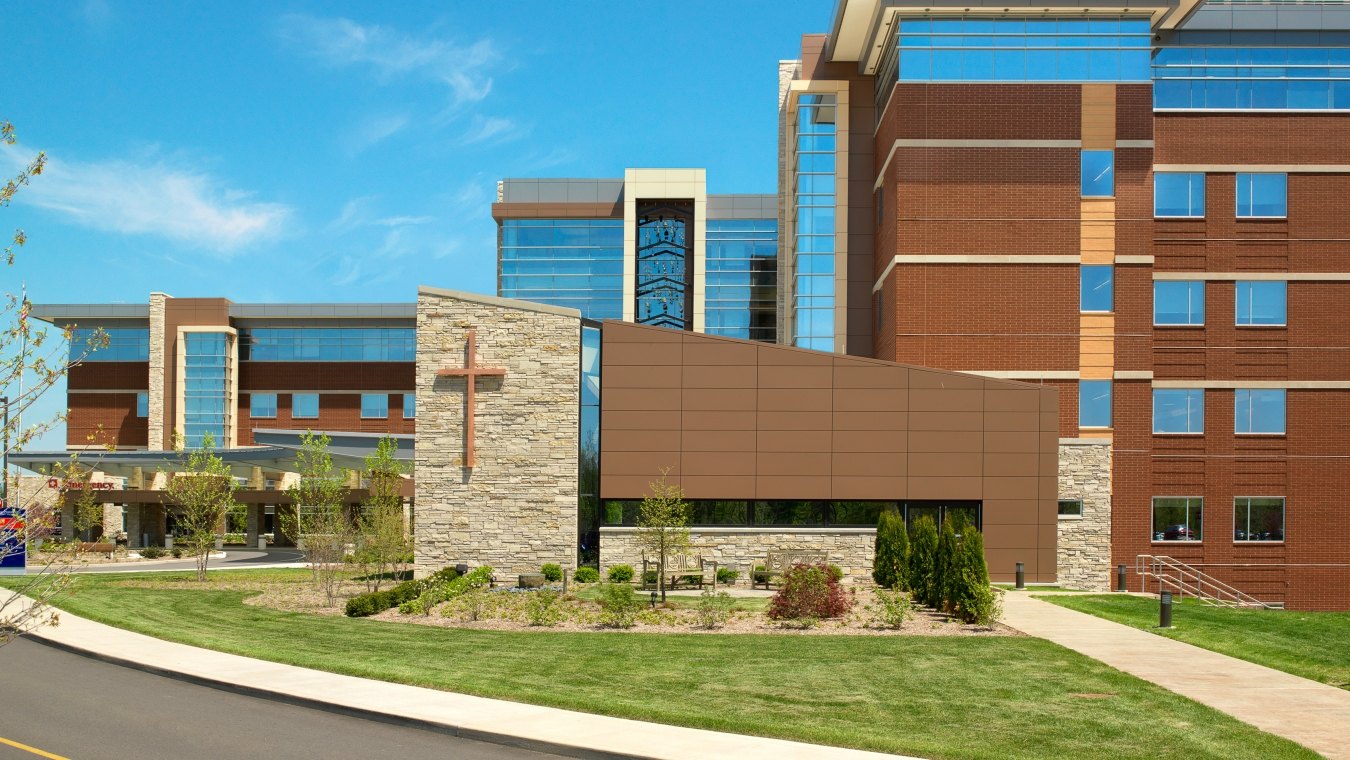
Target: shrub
[922,553]
[438,588]
[365,605]
[809,591]
[619,605]
[649,578]
[714,610]
[152,552]
[892,551]
[727,576]
[621,574]
[176,552]
[946,579]
[586,574]
[542,608]
[971,598]
[892,608]
[985,606]
[552,572]
[837,572]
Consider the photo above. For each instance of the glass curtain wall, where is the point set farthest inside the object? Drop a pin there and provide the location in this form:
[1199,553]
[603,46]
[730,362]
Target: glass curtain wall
[741,290]
[1251,78]
[814,213]
[125,344]
[338,344]
[206,384]
[577,263]
[588,491]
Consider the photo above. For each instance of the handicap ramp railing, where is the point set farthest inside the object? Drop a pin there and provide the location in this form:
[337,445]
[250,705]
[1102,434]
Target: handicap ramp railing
[1184,580]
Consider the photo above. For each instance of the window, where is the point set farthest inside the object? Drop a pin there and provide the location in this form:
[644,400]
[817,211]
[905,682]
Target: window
[1094,403]
[1070,508]
[1178,410]
[1097,175]
[304,406]
[1259,412]
[1177,518]
[1179,302]
[1245,78]
[262,405]
[1261,303]
[1095,287]
[1258,518]
[1179,194]
[142,404]
[409,406]
[1262,195]
[125,344]
[374,406]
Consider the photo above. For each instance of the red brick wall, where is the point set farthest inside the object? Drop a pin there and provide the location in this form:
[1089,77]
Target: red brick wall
[1256,138]
[327,376]
[337,412]
[105,419]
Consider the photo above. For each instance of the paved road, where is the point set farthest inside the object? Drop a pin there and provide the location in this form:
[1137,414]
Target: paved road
[236,559]
[75,707]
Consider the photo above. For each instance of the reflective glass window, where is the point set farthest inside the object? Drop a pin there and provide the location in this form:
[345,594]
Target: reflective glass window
[1261,302]
[1179,302]
[205,384]
[262,405]
[1178,410]
[374,406]
[1094,403]
[409,406]
[1095,291]
[1258,518]
[1177,518]
[304,406]
[123,344]
[1179,194]
[1262,195]
[328,344]
[1070,507]
[741,293]
[1258,411]
[576,263]
[142,404]
[1097,173]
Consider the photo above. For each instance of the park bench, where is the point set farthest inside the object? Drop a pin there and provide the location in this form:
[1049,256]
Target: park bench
[89,547]
[679,567]
[778,561]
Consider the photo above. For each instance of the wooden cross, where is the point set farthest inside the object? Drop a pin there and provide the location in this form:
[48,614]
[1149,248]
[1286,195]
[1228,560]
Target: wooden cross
[470,372]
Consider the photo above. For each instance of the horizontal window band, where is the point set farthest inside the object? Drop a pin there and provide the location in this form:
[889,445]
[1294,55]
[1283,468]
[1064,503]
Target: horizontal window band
[938,143]
[1257,276]
[1292,385]
[74,391]
[1256,168]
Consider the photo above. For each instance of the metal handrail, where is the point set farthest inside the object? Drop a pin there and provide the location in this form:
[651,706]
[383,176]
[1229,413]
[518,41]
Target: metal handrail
[1190,580]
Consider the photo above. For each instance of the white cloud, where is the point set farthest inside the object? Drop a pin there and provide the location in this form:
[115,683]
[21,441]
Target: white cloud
[181,204]
[372,131]
[464,69]
[403,221]
[491,128]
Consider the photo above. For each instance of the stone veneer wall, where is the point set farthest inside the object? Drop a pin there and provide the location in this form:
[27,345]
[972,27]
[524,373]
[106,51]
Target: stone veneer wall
[155,396]
[1084,544]
[852,549]
[517,508]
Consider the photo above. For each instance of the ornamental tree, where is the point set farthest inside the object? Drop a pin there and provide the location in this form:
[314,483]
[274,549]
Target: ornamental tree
[319,524]
[663,524]
[383,533]
[204,492]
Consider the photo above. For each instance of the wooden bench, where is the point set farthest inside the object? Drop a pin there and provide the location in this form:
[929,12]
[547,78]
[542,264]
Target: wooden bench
[679,567]
[779,561]
[88,547]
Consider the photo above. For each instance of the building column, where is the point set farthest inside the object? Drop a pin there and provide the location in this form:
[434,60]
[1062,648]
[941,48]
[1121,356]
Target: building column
[134,524]
[254,525]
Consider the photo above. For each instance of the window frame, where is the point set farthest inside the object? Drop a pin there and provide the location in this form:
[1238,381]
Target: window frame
[318,406]
[1070,515]
[1284,511]
[1237,395]
[1189,299]
[1082,172]
[1189,392]
[384,409]
[1251,199]
[1153,519]
[407,397]
[143,405]
[252,413]
[1110,404]
[1082,287]
[1251,300]
[1190,195]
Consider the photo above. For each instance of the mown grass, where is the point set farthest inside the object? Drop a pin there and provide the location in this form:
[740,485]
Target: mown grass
[940,697]
[1314,645]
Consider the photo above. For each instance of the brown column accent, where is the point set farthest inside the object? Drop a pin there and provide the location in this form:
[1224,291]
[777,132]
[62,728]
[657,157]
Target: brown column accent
[1097,241]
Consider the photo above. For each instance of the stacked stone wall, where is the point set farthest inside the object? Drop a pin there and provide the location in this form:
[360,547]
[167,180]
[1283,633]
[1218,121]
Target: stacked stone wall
[740,549]
[1084,543]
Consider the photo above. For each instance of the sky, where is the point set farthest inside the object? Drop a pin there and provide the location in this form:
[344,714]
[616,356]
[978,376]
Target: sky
[306,151]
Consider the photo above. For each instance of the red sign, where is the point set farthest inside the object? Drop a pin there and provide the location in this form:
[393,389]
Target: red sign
[75,485]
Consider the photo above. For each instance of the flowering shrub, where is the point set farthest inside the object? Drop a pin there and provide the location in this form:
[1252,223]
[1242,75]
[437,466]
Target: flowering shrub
[809,591]
[714,610]
[892,608]
[436,589]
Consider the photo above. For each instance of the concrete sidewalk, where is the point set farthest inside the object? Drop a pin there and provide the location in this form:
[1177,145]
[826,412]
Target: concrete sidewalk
[1313,714]
[511,723]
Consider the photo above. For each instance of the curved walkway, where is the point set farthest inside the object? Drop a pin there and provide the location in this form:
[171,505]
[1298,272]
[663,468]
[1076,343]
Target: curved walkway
[1313,714]
[235,559]
[545,729]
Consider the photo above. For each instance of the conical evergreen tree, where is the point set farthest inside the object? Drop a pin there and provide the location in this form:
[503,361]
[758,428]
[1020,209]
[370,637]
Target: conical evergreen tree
[890,566]
[923,543]
[945,576]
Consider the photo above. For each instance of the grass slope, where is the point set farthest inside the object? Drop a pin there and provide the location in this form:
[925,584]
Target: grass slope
[940,697]
[1314,645]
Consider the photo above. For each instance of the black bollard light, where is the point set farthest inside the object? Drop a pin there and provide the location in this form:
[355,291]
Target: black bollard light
[1165,610]
[653,600]
[1120,577]
[462,568]
[1021,576]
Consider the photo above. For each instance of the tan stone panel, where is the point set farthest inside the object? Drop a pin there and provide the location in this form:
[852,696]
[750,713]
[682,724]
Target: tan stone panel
[721,463]
[718,486]
[796,377]
[1089,433]
[1005,536]
[1099,116]
[1098,209]
[792,463]
[945,488]
[719,399]
[1007,400]
[794,420]
[713,376]
[873,420]
[641,376]
[641,440]
[1012,421]
[946,464]
[868,464]
[717,440]
[1003,511]
[643,463]
[611,419]
[1096,373]
[868,487]
[792,487]
[945,421]
[1012,464]
[792,399]
[705,351]
[815,441]
[870,399]
[972,441]
[851,375]
[642,354]
[642,399]
[718,420]
[881,441]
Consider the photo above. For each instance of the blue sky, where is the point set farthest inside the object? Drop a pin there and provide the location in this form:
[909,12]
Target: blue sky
[304,151]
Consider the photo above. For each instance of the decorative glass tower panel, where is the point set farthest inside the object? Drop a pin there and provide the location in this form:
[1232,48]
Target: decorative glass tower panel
[665,263]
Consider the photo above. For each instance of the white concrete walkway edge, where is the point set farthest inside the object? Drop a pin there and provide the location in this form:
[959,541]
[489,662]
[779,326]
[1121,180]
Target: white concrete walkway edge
[544,728]
[1313,714]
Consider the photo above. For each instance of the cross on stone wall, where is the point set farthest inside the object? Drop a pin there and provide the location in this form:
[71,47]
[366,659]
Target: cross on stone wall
[470,372]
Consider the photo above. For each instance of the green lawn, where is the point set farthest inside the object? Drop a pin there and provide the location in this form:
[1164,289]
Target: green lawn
[940,697]
[1035,589]
[1314,645]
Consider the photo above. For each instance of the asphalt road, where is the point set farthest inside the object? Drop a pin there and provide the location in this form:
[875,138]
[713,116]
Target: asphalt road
[70,706]
[236,559]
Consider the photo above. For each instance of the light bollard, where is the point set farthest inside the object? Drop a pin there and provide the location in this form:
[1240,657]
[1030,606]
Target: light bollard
[1165,610]
[1120,578]
[1021,576]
